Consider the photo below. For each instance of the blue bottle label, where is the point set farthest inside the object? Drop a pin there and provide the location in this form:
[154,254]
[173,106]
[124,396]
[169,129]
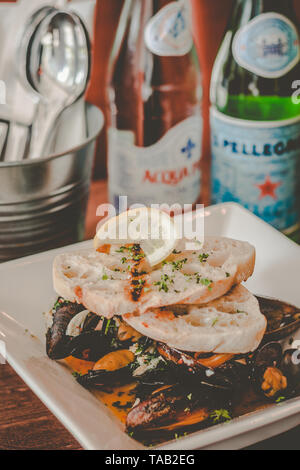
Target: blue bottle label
[267,46]
[257,164]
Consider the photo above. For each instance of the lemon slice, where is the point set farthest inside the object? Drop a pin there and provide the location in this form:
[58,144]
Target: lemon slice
[154,230]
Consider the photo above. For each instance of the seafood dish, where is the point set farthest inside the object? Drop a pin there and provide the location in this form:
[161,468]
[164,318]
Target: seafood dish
[174,347]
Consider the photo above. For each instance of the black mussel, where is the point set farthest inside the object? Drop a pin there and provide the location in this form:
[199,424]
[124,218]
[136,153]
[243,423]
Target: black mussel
[89,346]
[155,377]
[283,318]
[269,355]
[144,390]
[266,370]
[174,407]
[159,406]
[238,372]
[111,369]
[186,368]
[98,379]
[73,333]
[91,322]
[290,366]
[57,342]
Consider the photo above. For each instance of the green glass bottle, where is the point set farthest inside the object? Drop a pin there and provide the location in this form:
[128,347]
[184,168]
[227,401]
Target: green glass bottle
[255,115]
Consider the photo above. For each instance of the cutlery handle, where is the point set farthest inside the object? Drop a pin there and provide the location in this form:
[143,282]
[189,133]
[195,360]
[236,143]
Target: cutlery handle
[42,128]
[3,137]
[17,142]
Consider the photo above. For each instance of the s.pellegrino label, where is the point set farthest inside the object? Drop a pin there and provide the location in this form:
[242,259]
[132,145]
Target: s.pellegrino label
[169,32]
[268,45]
[166,172]
[257,164]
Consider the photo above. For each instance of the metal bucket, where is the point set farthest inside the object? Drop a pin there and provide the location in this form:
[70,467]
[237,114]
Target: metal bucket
[43,202]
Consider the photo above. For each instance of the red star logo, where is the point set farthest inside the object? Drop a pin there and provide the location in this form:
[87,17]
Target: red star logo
[268,188]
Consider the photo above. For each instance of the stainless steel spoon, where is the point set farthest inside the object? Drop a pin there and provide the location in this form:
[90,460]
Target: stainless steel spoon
[18,130]
[58,68]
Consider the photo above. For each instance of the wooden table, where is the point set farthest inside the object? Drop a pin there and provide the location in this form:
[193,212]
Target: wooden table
[25,423]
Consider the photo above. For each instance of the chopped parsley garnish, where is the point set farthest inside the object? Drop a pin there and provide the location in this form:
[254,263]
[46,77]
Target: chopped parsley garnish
[205,282]
[215,322]
[110,328]
[138,257]
[104,277]
[133,252]
[176,252]
[60,303]
[203,257]
[228,275]
[163,283]
[176,265]
[220,416]
[122,249]
[280,399]
[143,344]
[76,374]
[107,326]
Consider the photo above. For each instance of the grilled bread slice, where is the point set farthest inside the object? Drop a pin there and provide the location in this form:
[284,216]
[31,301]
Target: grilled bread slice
[232,324]
[119,281]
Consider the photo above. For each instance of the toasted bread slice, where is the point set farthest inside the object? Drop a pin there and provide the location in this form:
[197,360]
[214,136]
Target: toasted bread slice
[118,281]
[232,324]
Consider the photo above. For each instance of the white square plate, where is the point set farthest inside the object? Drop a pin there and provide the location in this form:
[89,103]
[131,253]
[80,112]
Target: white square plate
[26,291]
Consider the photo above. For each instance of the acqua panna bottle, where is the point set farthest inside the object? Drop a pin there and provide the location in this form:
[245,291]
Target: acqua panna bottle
[155,94]
[255,119]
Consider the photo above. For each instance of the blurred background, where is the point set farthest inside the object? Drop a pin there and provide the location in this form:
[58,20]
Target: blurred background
[210,19]
[209,24]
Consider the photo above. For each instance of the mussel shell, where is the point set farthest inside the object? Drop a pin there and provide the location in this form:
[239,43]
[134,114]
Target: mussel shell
[166,408]
[238,373]
[155,377]
[283,318]
[187,370]
[90,323]
[290,366]
[57,342]
[90,346]
[269,355]
[98,379]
